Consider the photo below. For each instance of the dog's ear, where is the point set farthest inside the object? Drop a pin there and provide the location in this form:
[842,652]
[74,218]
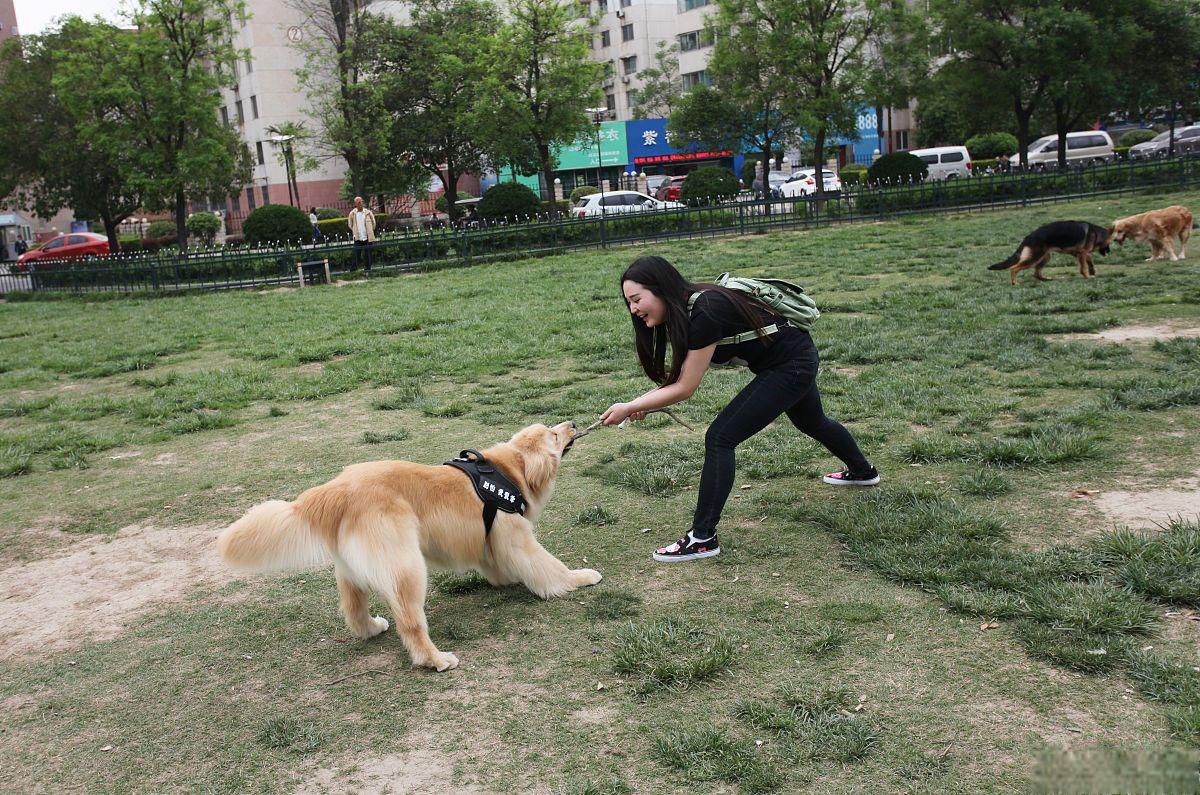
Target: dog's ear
[541,464]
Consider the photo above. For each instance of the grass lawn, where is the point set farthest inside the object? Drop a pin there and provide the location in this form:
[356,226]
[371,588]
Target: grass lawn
[981,623]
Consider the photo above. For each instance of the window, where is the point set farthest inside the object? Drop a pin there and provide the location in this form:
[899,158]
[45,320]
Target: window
[626,3]
[610,101]
[241,114]
[266,195]
[927,158]
[688,5]
[629,65]
[250,203]
[1192,133]
[694,40]
[601,6]
[225,115]
[249,65]
[605,38]
[235,202]
[952,157]
[627,32]
[632,96]
[692,79]
[53,244]
[261,160]
[254,107]
[76,240]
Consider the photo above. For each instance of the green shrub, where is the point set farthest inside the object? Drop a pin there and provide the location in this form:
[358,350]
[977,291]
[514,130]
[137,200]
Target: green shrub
[1121,152]
[443,207]
[897,167]
[853,173]
[709,185]
[747,173]
[984,162]
[328,213]
[581,191]
[992,145]
[563,206]
[277,223]
[334,228]
[509,201]
[161,228]
[129,243]
[204,227]
[1135,137]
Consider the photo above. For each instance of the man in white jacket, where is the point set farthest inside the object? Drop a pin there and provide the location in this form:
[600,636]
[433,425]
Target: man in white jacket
[362,229]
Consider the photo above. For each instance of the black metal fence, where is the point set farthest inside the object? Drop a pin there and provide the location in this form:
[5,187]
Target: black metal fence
[448,247]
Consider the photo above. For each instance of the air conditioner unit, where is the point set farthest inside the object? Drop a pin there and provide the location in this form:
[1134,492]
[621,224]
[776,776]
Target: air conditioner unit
[608,82]
[620,13]
[625,79]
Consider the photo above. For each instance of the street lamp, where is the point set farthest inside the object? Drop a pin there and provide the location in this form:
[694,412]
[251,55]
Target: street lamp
[598,115]
[285,141]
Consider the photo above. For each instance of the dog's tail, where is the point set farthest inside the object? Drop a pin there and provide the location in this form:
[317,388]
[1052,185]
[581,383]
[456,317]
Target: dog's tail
[272,536]
[1008,263]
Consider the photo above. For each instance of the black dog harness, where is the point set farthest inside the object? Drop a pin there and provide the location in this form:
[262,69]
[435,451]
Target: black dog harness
[496,491]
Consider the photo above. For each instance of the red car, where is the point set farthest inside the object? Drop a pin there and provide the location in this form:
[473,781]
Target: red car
[669,191]
[76,245]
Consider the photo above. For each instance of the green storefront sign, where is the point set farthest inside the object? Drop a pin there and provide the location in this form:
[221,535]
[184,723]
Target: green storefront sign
[582,153]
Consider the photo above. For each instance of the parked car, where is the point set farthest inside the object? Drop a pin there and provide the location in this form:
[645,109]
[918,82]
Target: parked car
[775,179]
[1090,146]
[804,183]
[74,246]
[945,162]
[619,201]
[669,190]
[654,182]
[1187,139]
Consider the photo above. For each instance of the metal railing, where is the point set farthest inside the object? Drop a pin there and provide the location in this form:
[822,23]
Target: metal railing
[224,268]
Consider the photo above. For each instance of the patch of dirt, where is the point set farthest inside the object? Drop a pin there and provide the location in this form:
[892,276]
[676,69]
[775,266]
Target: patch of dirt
[92,591]
[1159,331]
[1150,507]
[421,771]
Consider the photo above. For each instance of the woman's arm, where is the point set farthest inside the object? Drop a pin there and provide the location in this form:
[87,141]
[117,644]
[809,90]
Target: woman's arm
[694,368]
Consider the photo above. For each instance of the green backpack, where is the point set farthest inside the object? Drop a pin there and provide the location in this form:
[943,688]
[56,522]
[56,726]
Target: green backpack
[784,298]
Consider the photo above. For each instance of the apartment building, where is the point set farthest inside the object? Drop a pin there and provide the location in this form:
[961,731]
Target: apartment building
[8,20]
[267,95]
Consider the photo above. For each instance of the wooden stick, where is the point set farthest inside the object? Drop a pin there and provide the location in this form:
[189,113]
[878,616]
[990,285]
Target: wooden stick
[598,423]
[356,673]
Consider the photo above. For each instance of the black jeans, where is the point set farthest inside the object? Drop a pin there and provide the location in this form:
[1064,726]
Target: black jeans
[790,388]
[362,251]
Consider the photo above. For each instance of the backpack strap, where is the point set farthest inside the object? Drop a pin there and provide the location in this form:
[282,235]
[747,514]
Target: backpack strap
[735,339]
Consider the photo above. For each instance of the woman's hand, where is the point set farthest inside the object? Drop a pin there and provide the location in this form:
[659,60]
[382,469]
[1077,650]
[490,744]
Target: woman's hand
[619,412]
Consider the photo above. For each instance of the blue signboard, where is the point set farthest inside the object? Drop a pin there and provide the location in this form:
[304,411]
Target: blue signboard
[650,147]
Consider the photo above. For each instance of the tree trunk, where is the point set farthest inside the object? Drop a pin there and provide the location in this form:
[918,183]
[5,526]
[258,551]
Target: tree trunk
[548,178]
[181,221]
[110,231]
[1060,127]
[451,183]
[819,155]
[1023,117]
[879,129]
[766,175]
[1171,139]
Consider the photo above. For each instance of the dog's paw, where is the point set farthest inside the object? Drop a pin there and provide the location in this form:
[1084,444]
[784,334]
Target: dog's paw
[379,624]
[443,661]
[585,577]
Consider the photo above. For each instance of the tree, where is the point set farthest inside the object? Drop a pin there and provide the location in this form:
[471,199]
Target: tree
[546,82]
[899,55]
[434,78]
[823,46]
[179,59]
[346,102]
[1164,77]
[65,139]
[661,84]
[749,107]
[1006,45]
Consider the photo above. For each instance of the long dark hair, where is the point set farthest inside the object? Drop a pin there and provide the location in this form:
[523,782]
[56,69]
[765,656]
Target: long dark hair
[660,277]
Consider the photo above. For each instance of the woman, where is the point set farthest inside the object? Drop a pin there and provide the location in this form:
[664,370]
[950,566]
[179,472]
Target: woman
[785,371]
[317,237]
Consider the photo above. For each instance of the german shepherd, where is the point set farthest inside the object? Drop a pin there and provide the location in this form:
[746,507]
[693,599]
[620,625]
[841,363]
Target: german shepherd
[1078,238]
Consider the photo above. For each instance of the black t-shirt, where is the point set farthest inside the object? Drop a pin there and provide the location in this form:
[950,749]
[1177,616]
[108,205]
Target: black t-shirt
[714,317]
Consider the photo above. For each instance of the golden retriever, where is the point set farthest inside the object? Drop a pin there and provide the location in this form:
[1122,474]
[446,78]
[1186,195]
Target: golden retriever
[383,522]
[1158,227]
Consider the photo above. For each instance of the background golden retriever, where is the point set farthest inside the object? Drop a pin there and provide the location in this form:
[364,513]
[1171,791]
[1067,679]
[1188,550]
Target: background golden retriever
[1158,227]
[383,522]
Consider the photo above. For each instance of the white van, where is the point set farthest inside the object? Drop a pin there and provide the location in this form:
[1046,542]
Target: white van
[1088,146]
[945,162]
